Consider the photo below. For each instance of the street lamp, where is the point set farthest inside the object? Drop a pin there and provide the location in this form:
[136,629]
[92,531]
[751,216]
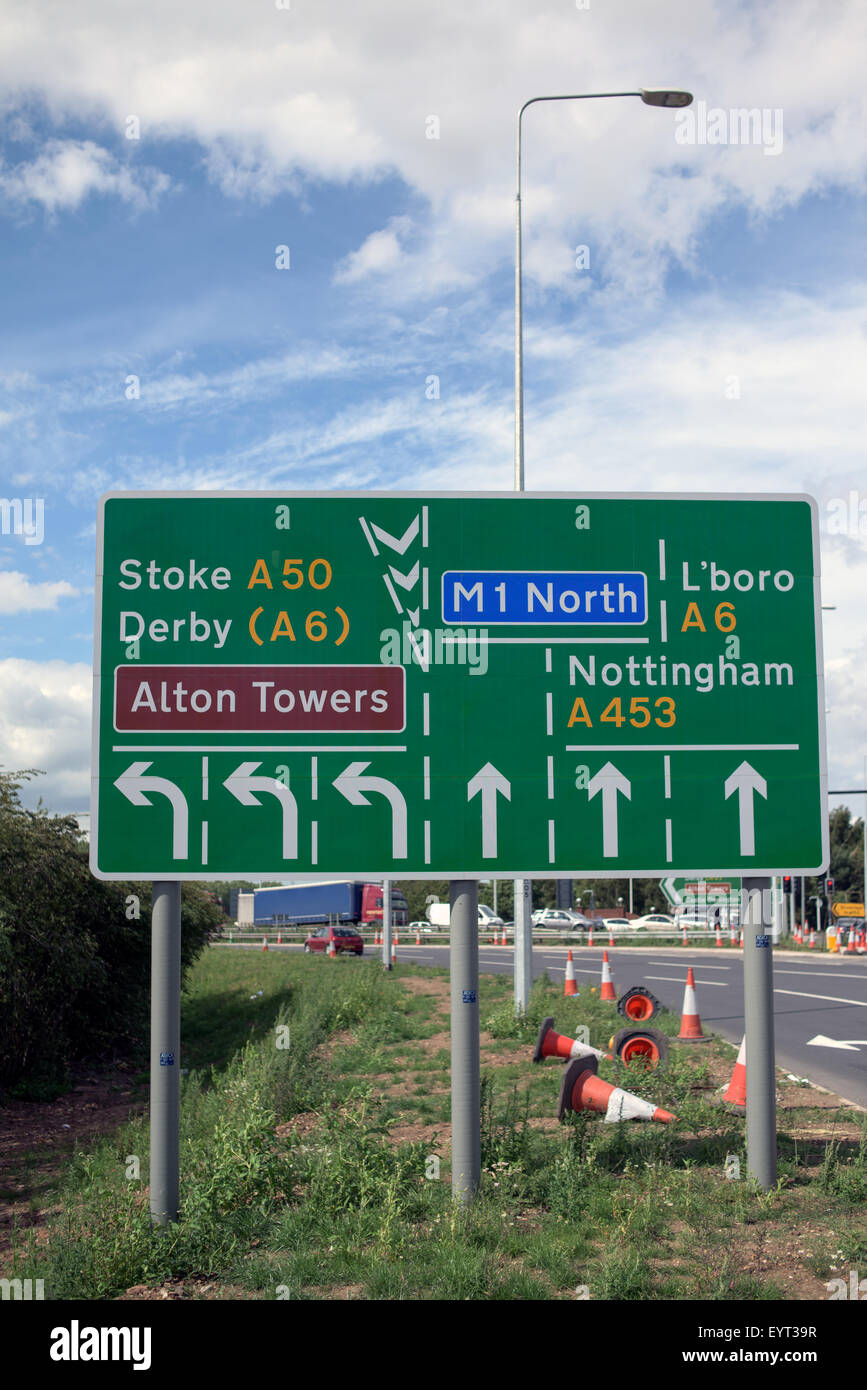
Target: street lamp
[650,97]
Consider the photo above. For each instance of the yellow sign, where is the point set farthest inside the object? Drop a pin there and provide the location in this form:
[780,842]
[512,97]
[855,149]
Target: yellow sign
[847,909]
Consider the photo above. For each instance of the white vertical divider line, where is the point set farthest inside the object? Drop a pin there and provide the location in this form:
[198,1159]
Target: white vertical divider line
[314,779]
[427,779]
[425,599]
[425,720]
[424,512]
[668,841]
[551,850]
[662,557]
[314,842]
[548,660]
[549,713]
[204,779]
[550,777]
[666,763]
[204,841]
[663,620]
[427,842]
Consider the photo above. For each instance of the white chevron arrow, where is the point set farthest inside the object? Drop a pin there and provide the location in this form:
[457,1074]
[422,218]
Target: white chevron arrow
[399,544]
[354,787]
[490,782]
[746,782]
[133,786]
[407,581]
[850,1045]
[244,787]
[609,781]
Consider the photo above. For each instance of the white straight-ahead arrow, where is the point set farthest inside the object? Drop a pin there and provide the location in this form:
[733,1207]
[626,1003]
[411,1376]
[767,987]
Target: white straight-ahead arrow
[746,781]
[850,1045]
[353,786]
[489,781]
[243,786]
[609,781]
[133,786]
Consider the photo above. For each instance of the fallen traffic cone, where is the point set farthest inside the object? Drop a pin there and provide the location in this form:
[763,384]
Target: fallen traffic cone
[264,943]
[607,990]
[736,1093]
[582,1089]
[690,1023]
[638,1004]
[644,1045]
[569,986]
[550,1043]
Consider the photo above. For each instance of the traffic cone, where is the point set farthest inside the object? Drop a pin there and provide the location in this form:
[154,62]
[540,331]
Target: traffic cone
[611,936]
[569,986]
[719,940]
[332,949]
[279,938]
[550,1043]
[812,942]
[582,1089]
[690,1023]
[736,1093]
[638,1004]
[418,936]
[741,942]
[394,951]
[684,941]
[644,1045]
[733,936]
[264,943]
[861,942]
[850,944]
[505,938]
[590,937]
[607,990]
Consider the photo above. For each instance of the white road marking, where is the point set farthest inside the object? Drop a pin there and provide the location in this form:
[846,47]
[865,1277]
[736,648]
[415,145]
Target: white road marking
[829,998]
[678,980]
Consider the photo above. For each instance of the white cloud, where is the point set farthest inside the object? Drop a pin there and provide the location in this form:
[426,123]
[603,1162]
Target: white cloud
[68,171]
[45,709]
[380,252]
[19,595]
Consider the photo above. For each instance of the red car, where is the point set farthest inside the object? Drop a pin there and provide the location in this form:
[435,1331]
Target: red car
[344,938]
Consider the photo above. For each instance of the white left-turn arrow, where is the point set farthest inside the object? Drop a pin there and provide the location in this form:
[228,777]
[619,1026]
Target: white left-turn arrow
[133,785]
[353,786]
[850,1045]
[609,781]
[746,782]
[489,781]
[243,786]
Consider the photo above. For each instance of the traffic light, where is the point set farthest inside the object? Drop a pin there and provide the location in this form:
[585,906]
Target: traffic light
[829,886]
[787,883]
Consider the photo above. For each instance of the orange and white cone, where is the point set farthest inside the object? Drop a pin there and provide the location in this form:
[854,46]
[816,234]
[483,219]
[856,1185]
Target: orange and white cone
[736,1093]
[569,985]
[850,944]
[394,951]
[733,936]
[638,1004]
[741,942]
[332,949]
[590,937]
[690,1023]
[550,1043]
[719,940]
[264,943]
[607,989]
[812,942]
[684,941]
[582,1089]
[418,936]
[611,936]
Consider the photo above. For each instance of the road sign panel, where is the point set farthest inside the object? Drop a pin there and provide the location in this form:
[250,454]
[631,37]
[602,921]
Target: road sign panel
[457,686]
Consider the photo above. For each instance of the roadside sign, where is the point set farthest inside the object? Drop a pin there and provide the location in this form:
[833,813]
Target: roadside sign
[457,686]
[847,909]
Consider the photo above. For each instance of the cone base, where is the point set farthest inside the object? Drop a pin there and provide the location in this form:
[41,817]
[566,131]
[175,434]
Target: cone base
[567,1085]
[545,1027]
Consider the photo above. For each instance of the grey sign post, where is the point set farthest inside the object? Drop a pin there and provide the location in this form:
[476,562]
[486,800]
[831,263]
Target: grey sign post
[759,1027]
[523,962]
[386,923]
[464,959]
[165,1051]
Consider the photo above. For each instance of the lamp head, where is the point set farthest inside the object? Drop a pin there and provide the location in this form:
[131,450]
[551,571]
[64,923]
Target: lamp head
[654,96]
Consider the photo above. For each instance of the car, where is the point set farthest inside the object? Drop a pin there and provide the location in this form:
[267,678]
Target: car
[579,920]
[555,917]
[655,919]
[617,924]
[692,924]
[426,928]
[344,938]
[488,917]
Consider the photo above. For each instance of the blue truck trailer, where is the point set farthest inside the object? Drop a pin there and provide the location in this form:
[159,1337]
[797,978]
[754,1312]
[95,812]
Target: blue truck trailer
[339,901]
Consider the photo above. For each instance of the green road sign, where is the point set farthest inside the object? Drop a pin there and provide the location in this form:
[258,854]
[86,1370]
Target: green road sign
[400,685]
[694,892]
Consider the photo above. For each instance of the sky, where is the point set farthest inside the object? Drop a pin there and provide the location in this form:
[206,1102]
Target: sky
[154,158]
